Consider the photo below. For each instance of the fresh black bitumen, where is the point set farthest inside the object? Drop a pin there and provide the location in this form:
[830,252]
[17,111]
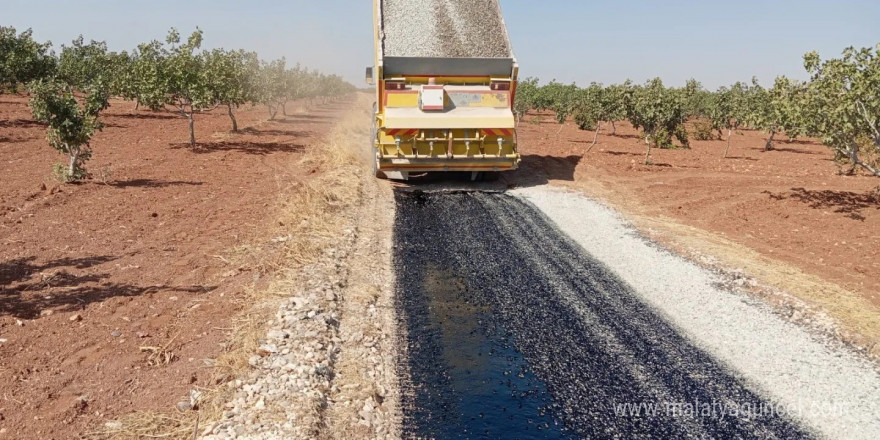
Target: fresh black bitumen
[512,331]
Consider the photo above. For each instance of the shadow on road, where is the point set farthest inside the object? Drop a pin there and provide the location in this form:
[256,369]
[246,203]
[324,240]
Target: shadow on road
[534,170]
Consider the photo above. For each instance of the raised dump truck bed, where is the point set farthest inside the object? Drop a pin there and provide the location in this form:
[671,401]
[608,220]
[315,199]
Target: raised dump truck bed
[444,29]
[445,80]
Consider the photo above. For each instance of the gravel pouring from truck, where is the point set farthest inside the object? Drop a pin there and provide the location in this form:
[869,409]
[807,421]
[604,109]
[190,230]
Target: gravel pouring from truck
[445,79]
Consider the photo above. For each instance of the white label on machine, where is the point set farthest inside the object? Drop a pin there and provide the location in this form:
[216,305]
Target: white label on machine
[431,97]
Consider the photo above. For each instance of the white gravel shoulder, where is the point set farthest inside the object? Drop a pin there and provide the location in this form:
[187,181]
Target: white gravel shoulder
[821,383]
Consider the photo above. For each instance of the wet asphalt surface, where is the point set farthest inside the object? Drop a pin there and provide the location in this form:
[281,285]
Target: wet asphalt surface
[513,331]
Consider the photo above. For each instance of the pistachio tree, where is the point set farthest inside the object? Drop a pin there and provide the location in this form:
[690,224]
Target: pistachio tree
[22,59]
[613,101]
[271,86]
[525,97]
[776,110]
[789,105]
[760,114]
[659,112]
[560,98]
[845,93]
[71,123]
[232,78]
[596,104]
[727,110]
[81,65]
[146,76]
[588,110]
[187,79]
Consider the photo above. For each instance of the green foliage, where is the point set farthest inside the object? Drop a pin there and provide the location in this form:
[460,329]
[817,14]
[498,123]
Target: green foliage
[526,91]
[613,101]
[697,100]
[587,107]
[704,130]
[843,102]
[558,97]
[789,106]
[232,78]
[729,107]
[272,85]
[22,59]
[71,124]
[157,75]
[146,74]
[659,112]
[840,104]
[185,74]
[760,114]
[87,65]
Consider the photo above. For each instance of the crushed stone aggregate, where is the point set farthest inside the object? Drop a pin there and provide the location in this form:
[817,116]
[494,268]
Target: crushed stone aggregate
[444,28]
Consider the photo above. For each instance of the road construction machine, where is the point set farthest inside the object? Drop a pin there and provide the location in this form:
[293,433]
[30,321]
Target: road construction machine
[445,80]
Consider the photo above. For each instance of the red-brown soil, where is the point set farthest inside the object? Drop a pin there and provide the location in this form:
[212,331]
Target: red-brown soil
[790,204]
[92,272]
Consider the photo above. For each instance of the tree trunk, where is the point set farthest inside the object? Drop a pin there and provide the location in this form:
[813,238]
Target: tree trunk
[192,129]
[729,132]
[853,154]
[613,128]
[648,152]
[595,136]
[854,158]
[284,109]
[272,112]
[232,116]
[71,169]
[769,146]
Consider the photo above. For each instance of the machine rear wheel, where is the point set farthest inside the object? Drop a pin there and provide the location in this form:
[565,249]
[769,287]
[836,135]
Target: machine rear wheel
[490,176]
[376,172]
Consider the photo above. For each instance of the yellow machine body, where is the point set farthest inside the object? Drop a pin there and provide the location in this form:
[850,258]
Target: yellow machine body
[442,114]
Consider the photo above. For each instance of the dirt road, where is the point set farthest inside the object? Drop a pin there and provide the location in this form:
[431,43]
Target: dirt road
[514,327]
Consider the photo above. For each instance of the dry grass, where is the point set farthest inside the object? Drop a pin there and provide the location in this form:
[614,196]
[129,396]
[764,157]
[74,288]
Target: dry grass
[161,354]
[151,425]
[310,214]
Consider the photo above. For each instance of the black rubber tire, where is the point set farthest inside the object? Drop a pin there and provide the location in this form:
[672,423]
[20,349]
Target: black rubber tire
[489,176]
[378,174]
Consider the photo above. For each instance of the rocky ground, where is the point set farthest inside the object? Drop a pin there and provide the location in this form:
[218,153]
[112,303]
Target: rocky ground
[325,368]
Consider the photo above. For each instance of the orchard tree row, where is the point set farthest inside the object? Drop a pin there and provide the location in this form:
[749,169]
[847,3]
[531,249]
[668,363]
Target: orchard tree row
[839,104]
[69,90]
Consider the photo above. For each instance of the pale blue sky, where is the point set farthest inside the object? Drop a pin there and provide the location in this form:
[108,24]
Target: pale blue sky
[717,42]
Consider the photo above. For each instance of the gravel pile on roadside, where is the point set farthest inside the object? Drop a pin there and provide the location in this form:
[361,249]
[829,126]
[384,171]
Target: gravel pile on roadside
[326,366]
[445,28]
[291,376]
